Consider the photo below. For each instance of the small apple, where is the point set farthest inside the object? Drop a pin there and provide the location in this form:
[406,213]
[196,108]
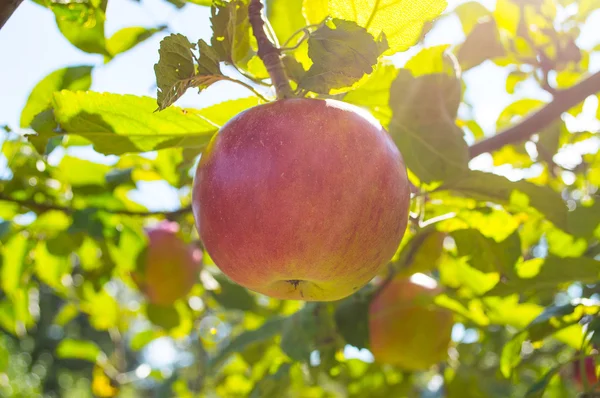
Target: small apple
[302,199]
[589,367]
[168,268]
[405,328]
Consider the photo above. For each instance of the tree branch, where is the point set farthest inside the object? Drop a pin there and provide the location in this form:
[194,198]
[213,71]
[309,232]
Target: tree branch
[7,8]
[267,51]
[562,102]
[32,204]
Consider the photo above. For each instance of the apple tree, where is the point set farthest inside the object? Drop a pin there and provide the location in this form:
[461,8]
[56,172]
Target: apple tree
[351,226]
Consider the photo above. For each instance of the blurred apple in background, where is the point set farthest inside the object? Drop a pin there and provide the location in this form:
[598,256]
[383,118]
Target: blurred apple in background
[405,327]
[168,268]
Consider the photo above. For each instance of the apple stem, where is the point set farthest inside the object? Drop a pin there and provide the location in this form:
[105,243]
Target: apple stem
[268,53]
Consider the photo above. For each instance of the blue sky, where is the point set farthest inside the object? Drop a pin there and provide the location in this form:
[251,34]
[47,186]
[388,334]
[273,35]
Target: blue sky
[32,47]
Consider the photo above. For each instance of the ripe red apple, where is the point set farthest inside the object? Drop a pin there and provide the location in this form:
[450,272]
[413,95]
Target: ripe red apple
[589,366]
[405,328]
[168,268]
[301,199]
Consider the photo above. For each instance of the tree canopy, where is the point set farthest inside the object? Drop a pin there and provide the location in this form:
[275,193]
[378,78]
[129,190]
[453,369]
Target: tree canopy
[504,217]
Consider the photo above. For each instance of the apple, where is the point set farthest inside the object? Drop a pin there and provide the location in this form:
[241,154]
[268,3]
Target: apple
[405,327]
[302,199]
[589,367]
[168,268]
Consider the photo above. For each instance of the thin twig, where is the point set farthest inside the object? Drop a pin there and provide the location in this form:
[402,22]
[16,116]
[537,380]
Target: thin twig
[249,76]
[295,46]
[249,87]
[32,204]
[267,51]
[562,102]
[305,30]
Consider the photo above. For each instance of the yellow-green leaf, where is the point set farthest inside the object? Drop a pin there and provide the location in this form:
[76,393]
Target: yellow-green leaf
[117,124]
[127,38]
[402,21]
[79,349]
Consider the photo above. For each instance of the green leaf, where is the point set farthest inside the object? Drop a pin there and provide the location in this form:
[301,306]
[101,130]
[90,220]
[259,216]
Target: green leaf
[83,24]
[515,77]
[551,321]
[127,38]
[486,186]
[352,318]
[553,271]
[470,14]
[549,141]
[222,112]
[14,254]
[267,330]
[175,68]
[585,219]
[300,331]
[176,71]
[517,110]
[538,389]
[7,317]
[423,125]
[562,244]
[4,357]
[586,8]
[431,60]
[285,17]
[79,349]
[511,354]
[315,11]
[80,172]
[5,228]
[50,268]
[458,274]
[116,124]
[481,44]
[402,21]
[421,254]
[594,328]
[86,221]
[556,318]
[487,255]
[231,31]
[233,296]
[72,78]
[141,339]
[342,53]
[206,3]
[45,138]
[117,177]
[164,317]
[103,310]
[274,385]
[374,94]
[66,314]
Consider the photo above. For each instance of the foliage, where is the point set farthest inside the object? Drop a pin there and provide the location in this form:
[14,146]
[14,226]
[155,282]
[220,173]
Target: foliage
[517,252]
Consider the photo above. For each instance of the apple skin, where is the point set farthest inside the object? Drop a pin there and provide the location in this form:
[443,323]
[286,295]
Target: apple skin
[590,372]
[405,329]
[301,199]
[168,268]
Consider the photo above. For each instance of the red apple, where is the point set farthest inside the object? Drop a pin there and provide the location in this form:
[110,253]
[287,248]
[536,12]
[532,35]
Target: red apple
[168,268]
[301,199]
[405,328]
[589,365]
